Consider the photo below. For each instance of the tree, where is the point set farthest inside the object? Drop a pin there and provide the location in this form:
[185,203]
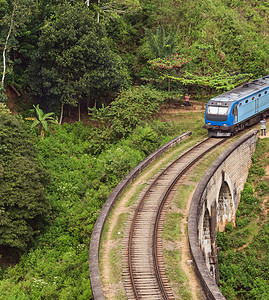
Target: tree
[162,47]
[42,120]
[74,60]
[161,44]
[15,15]
[221,80]
[166,67]
[129,109]
[113,9]
[4,109]
[22,186]
[202,74]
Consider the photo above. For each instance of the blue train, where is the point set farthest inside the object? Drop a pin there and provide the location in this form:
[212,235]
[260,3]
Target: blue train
[237,109]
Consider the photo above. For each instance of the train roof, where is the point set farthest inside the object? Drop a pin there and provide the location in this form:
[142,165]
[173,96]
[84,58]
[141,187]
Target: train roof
[244,91]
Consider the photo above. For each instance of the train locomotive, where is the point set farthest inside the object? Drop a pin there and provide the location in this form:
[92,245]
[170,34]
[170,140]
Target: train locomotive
[237,109]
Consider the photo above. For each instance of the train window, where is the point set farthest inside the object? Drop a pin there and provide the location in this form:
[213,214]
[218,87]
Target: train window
[223,110]
[253,98]
[217,110]
[246,101]
[265,92]
[260,95]
[212,110]
[240,104]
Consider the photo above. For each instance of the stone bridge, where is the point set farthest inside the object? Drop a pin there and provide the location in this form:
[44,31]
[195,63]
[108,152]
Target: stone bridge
[214,203]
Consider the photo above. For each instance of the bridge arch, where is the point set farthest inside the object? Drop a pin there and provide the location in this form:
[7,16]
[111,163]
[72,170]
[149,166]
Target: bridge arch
[225,205]
[213,205]
[206,242]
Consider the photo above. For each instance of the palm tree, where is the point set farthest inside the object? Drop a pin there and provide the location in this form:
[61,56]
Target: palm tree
[42,120]
[161,44]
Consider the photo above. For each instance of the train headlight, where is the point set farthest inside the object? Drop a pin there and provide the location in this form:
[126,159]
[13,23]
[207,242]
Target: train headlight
[224,124]
[208,123]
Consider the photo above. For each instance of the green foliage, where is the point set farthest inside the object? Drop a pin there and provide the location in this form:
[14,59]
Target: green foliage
[229,227]
[257,170]
[130,108]
[200,74]
[174,62]
[74,60]
[114,9]
[145,138]
[220,81]
[42,120]
[3,96]
[22,182]
[167,67]
[56,267]
[134,106]
[229,40]
[235,34]
[263,188]
[14,16]
[70,57]
[161,44]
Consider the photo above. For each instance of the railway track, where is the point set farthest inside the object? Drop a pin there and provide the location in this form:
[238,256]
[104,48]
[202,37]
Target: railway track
[143,266]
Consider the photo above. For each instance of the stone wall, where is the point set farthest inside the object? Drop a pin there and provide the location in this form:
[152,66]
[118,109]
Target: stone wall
[214,203]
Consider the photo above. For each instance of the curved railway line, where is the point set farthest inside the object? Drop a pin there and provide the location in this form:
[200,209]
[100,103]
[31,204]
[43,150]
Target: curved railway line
[139,261]
[143,266]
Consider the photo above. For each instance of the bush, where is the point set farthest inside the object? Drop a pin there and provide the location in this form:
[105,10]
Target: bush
[229,227]
[145,138]
[130,109]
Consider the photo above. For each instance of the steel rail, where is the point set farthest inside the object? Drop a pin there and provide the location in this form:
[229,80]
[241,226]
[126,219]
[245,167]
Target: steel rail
[167,192]
[95,278]
[156,267]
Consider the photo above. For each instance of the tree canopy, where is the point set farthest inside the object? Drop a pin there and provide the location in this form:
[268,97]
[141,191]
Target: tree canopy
[74,60]
[102,38]
[22,181]
[14,15]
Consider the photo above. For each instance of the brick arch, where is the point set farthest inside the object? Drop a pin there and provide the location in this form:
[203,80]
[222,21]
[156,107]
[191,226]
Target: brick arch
[206,243]
[223,180]
[225,206]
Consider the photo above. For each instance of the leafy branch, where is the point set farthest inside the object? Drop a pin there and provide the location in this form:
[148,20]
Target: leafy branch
[42,120]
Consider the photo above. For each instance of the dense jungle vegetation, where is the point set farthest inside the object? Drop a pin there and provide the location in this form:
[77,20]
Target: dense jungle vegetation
[112,64]
[63,52]
[84,165]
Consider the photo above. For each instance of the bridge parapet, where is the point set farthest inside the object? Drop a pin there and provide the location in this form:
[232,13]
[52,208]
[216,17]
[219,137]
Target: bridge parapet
[214,203]
[95,278]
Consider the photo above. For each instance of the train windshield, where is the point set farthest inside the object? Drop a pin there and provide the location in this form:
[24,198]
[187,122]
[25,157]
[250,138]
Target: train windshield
[217,110]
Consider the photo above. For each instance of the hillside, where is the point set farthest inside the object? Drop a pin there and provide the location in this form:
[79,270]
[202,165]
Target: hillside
[222,39]
[123,67]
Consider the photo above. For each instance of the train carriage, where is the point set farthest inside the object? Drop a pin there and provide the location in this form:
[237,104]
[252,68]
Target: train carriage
[241,107]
